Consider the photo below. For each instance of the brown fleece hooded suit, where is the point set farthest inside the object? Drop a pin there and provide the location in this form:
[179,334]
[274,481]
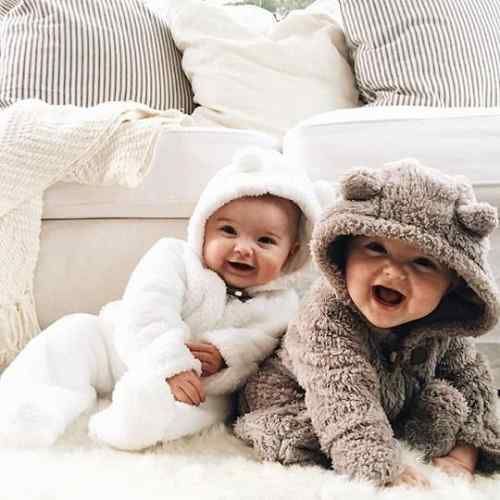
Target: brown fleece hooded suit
[335,392]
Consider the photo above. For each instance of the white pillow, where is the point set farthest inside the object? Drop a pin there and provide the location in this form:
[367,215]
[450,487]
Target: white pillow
[266,81]
[330,7]
[257,19]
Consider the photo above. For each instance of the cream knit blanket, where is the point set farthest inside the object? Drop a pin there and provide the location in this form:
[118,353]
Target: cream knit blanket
[39,145]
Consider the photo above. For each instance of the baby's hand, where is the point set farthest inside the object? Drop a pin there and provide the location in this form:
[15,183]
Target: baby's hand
[461,461]
[411,477]
[187,388]
[210,357]
[453,467]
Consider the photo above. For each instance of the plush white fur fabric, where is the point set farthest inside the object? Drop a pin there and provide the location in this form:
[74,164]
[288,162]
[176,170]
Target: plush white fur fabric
[210,466]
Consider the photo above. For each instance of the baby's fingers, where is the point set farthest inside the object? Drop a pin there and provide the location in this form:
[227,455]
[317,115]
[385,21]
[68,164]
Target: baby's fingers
[208,369]
[412,477]
[182,397]
[204,357]
[191,393]
[199,347]
[195,381]
[453,469]
[208,364]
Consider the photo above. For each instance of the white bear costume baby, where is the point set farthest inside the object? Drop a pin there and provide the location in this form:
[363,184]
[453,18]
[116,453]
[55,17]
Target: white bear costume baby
[136,343]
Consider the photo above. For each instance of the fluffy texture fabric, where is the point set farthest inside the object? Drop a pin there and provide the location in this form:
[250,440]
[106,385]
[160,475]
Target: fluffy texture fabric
[244,79]
[41,144]
[340,393]
[213,465]
[138,342]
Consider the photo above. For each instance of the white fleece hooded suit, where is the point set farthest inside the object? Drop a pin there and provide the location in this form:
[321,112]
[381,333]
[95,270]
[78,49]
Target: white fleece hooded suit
[135,344]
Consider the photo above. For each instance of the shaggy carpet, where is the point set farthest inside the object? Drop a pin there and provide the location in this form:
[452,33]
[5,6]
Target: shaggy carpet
[212,465]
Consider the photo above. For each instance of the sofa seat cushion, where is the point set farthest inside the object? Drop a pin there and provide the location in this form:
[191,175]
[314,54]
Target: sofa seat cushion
[184,160]
[458,141]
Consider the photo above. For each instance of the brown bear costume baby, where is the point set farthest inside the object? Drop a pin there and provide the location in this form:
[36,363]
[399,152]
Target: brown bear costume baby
[340,392]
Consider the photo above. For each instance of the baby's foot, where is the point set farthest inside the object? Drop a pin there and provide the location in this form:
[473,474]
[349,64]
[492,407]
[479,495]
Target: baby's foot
[139,415]
[29,425]
[107,427]
[285,438]
[38,416]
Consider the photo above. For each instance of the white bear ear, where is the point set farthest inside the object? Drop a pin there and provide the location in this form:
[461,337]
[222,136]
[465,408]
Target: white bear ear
[255,159]
[479,218]
[361,185]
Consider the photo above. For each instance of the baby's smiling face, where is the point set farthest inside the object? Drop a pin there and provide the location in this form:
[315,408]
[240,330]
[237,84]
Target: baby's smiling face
[249,240]
[391,282]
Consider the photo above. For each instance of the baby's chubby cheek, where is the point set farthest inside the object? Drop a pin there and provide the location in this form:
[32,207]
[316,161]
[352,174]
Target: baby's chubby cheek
[212,256]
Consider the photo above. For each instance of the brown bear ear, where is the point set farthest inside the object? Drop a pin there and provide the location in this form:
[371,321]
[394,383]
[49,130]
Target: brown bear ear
[360,185]
[479,218]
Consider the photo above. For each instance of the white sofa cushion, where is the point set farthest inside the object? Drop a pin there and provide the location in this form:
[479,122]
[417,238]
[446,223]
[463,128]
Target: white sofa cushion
[269,82]
[459,141]
[184,160]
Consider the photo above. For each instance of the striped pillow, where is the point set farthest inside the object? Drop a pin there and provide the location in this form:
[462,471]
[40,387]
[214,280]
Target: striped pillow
[84,52]
[425,52]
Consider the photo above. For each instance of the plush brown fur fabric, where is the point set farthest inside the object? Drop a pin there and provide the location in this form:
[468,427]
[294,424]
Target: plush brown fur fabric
[332,390]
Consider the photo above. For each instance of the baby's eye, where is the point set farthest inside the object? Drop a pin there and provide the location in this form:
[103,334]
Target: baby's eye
[425,263]
[228,230]
[266,240]
[375,247]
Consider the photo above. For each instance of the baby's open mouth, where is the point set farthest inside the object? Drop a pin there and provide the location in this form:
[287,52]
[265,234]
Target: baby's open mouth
[241,266]
[387,296]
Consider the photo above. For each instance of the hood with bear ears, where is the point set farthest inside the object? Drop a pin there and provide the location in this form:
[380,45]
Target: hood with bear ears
[434,212]
[255,172]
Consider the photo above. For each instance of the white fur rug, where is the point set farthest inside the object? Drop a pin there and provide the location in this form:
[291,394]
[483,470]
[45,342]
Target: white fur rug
[212,465]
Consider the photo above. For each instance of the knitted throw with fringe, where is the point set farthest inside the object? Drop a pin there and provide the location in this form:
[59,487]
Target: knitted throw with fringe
[112,143]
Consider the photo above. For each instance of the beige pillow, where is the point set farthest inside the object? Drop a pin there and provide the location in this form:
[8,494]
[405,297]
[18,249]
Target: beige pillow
[425,53]
[85,52]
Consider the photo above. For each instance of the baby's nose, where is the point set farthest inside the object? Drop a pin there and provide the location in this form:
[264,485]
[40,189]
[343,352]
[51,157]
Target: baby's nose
[394,271]
[243,248]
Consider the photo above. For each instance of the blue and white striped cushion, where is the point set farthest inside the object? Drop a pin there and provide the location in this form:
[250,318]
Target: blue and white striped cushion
[85,52]
[425,52]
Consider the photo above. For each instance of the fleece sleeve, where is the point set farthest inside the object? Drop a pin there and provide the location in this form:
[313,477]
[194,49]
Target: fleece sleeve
[466,370]
[150,331]
[331,363]
[243,348]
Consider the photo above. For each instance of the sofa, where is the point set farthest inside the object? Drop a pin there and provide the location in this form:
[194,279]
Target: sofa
[92,238]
